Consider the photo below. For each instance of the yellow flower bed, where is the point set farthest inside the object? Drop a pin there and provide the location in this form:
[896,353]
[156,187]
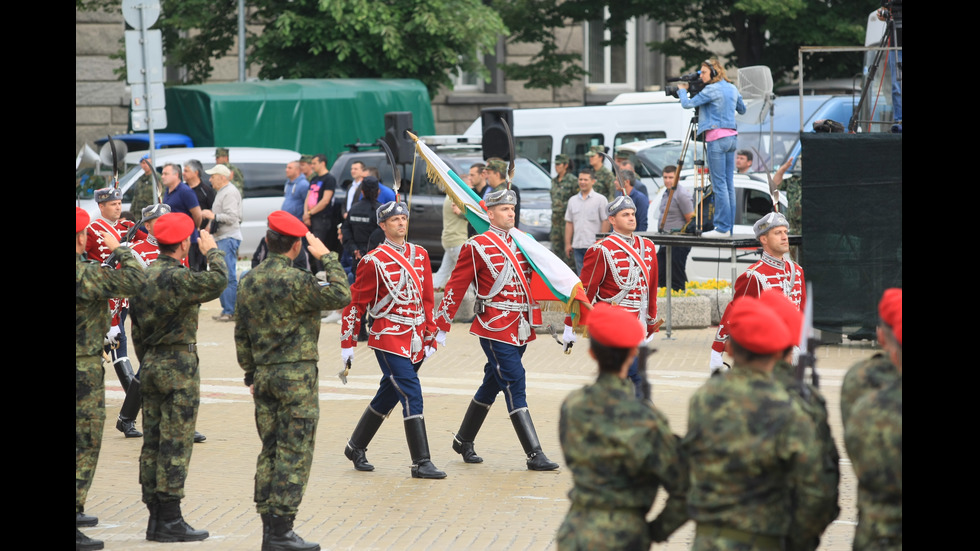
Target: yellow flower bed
[710,284]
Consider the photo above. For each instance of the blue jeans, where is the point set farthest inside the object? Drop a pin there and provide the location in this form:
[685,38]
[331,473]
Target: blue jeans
[579,255]
[721,167]
[503,372]
[229,246]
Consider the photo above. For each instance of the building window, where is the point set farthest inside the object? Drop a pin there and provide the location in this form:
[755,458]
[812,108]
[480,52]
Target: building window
[610,67]
[464,81]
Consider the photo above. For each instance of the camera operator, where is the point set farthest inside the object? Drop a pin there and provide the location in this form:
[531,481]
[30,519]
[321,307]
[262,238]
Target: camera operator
[719,100]
[892,9]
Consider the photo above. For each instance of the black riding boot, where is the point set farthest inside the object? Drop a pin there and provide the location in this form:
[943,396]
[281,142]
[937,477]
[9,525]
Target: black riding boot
[468,429]
[536,459]
[418,447]
[278,535]
[365,430]
[169,525]
[126,423]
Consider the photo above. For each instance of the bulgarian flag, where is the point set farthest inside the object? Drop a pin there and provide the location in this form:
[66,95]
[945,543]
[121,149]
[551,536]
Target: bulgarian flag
[552,281]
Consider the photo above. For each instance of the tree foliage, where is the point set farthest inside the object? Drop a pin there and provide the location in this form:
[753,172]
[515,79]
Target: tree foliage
[758,32]
[423,39]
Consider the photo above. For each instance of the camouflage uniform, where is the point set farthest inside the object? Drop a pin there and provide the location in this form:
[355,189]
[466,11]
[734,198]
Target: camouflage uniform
[754,463]
[792,187]
[875,373]
[143,194]
[807,538]
[873,437]
[561,191]
[164,316]
[605,183]
[620,451]
[276,332]
[94,285]
[237,178]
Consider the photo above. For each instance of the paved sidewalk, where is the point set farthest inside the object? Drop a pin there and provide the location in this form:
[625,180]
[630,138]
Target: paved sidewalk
[498,504]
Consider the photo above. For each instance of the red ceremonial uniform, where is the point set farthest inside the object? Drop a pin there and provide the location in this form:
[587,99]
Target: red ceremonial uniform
[402,314]
[504,306]
[613,274]
[96,249]
[768,273]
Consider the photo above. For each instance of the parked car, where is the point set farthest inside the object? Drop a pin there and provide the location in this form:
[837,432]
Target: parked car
[264,171]
[425,199]
[752,202]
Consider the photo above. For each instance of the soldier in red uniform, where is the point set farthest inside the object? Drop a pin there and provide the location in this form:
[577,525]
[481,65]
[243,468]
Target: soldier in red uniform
[621,269]
[394,285]
[110,209]
[505,310]
[773,271]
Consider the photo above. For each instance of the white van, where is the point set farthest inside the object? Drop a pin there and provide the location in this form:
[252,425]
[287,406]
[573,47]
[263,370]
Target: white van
[540,134]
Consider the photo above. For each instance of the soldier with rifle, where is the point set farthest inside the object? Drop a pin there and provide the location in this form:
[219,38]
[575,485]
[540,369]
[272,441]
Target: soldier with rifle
[620,450]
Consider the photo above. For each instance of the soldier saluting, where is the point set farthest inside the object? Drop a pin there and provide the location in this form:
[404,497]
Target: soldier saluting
[277,326]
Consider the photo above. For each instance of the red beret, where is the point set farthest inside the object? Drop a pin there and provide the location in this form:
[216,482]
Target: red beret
[615,327]
[757,328]
[173,227]
[284,223]
[890,310]
[81,219]
[785,309]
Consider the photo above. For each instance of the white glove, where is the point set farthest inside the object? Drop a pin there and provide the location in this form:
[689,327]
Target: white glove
[717,362]
[649,338]
[112,337]
[569,335]
[347,354]
[429,351]
[441,338]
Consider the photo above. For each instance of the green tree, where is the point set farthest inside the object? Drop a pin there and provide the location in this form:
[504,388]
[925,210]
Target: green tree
[759,32]
[424,39]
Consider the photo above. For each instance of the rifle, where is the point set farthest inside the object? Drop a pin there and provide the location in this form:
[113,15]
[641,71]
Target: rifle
[808,344]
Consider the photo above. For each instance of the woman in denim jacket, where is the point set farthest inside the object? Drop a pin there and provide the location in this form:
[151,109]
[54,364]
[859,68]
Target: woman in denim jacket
[719,101]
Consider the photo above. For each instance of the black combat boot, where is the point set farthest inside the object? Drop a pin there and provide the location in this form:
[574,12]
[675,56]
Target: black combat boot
[280,536]
[126,423]
[170,526]
[85,543]
[365,430]
[472,421]
[151,523]
[81,519]
[536,459]
[198,437]
[418,447]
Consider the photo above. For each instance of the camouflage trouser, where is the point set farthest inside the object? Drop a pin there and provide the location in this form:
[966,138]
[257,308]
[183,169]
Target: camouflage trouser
[287,408]
[587,529]
[716,538]
[557,238]
[171,391]
[89,421]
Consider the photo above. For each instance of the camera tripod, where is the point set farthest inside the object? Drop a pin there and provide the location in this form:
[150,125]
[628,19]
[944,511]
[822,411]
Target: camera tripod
[699,186]
[889,37]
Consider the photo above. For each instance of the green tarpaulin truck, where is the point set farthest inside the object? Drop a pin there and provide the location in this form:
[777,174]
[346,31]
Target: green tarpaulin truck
[307,115]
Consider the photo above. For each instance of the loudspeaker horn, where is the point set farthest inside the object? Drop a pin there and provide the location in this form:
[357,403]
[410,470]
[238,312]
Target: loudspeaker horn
[87,158]
[105,154]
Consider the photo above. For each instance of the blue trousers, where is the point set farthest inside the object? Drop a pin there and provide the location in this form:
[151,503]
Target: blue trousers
[503,372]
[721,166]
[229,246]
[400,383]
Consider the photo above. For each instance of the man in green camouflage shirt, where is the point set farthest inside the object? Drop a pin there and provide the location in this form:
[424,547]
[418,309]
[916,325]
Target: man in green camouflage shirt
[605,182]
[94,286]
[874,373]
[809,398]
[620,449]
[873,437]
[143,188]
[237,178]
[165,316]
[563,187]
[753,458]
[277,327]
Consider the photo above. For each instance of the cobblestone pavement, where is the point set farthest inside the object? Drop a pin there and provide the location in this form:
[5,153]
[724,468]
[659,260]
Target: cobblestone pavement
[498,504]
